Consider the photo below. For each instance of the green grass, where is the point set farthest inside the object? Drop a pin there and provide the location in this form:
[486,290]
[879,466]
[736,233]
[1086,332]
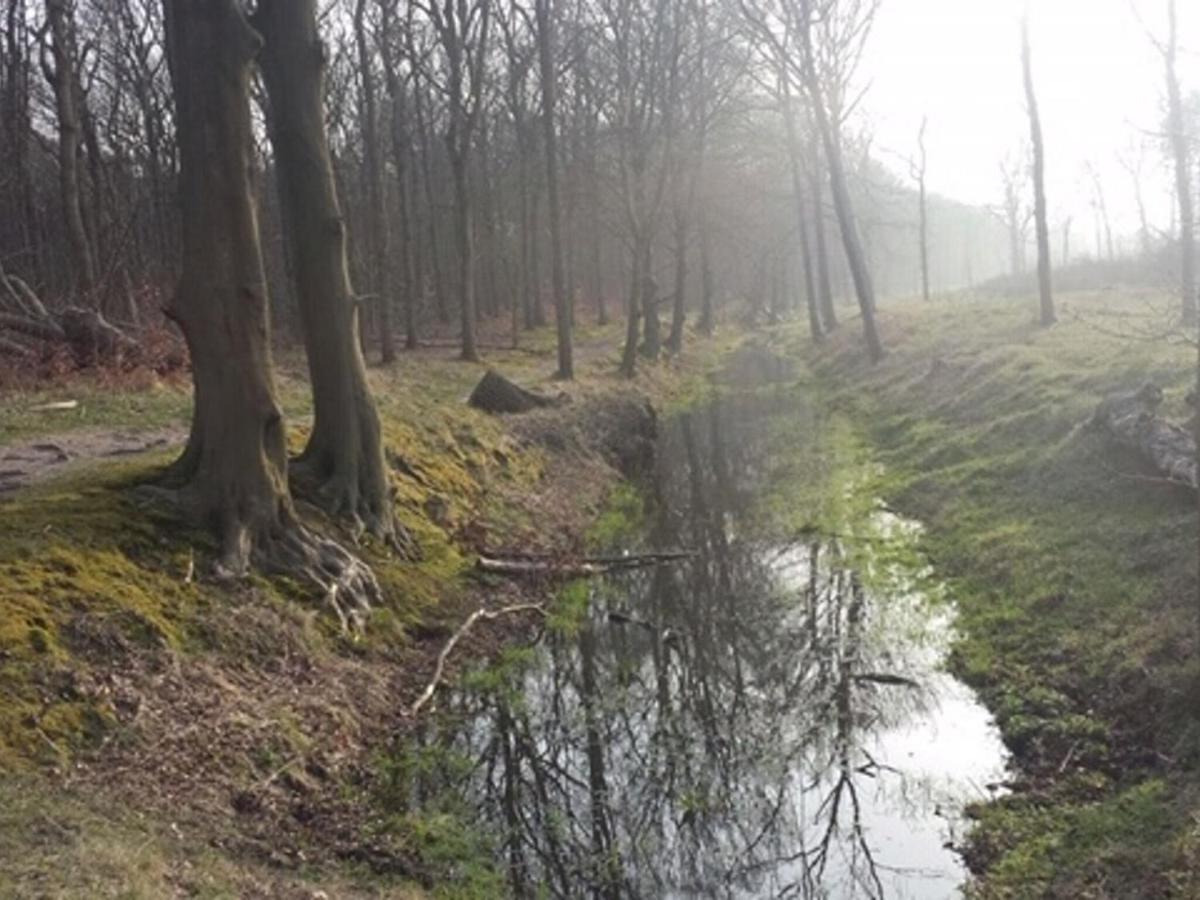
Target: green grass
[1075,578]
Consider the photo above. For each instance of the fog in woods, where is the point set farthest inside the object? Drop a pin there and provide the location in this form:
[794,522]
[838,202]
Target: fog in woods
[599,448]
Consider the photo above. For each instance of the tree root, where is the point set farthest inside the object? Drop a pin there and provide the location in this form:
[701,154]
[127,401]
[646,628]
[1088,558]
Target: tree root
[289,549]
[341,499]
[350,587]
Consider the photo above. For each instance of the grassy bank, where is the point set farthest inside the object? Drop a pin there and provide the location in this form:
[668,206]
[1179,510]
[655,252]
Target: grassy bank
[166,734]
[1075,574]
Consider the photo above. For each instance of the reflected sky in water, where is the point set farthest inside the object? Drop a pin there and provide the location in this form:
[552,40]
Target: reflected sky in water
[767,719]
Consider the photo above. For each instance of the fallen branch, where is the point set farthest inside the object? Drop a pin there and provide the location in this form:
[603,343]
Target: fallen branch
[439,670]
[588,567]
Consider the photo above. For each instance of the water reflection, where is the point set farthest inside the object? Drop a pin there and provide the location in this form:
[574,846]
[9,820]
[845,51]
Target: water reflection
[766,720]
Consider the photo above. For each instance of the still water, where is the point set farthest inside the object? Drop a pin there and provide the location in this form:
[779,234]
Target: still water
[768,718]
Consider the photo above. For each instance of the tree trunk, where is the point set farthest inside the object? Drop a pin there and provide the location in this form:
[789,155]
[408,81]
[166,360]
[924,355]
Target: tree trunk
[344,459]
[466,256]
[817,192]
[64,80]
[234,468]
[1039,183]
[679,295]
[562,312]
[1180,154]
[399,143]
[377,223]
[640,270]
[855,257]
[810,292]
[923,210]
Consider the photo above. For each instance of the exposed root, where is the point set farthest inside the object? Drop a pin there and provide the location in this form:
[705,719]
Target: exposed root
[288,549]
[343,501]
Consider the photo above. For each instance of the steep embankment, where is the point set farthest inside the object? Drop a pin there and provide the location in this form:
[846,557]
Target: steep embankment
[162,735]
[1075,574]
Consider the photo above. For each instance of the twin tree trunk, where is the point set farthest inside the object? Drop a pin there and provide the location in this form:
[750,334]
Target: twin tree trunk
[233,472]
[1039,183]
[344,461]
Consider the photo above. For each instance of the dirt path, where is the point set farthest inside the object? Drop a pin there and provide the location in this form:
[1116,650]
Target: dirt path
[22,465]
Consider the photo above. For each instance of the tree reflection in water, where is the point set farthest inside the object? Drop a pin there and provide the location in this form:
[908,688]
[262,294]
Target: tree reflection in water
[728,727]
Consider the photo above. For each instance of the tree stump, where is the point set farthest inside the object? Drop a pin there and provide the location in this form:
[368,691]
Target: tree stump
[496,394]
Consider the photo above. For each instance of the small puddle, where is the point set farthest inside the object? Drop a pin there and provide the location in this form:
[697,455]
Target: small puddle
[767,719]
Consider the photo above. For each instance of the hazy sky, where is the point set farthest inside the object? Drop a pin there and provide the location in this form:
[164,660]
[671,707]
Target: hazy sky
[1099,81]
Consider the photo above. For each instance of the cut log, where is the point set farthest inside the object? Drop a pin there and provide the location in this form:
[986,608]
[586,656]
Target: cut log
[496,394]
[1131,419]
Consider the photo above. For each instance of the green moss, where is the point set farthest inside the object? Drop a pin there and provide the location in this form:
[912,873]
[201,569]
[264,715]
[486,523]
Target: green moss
[621,519]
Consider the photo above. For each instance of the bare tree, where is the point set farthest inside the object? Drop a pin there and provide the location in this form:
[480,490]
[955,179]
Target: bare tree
[376,237]
[1041,224]
[823,42]
[463,31]
[816,331]
[1133,160]
[1014,212]
[917,168]
[549,77]
[1104,234]
[641,41]
[1180,158]
[60,64]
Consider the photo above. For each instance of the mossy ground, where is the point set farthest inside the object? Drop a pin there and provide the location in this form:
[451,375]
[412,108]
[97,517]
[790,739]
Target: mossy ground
[111,653]
[1075,574]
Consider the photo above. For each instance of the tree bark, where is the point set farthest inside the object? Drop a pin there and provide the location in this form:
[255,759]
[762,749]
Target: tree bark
[1041,224]
[1180,154]
[377,223]
[820,244]
[63,77]
[810,291]
[562,312]
[923,210]
[234,468]
[401,160]
[852,242]
[343,462]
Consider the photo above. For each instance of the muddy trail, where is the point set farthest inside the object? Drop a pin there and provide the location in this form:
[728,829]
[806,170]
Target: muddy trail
[25,464]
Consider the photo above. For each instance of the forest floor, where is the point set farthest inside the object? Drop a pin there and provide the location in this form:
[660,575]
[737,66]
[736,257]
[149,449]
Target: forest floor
[1075,573]
[163,736]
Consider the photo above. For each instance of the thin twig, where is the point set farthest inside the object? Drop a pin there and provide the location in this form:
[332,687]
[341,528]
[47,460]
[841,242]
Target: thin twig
[439,670]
